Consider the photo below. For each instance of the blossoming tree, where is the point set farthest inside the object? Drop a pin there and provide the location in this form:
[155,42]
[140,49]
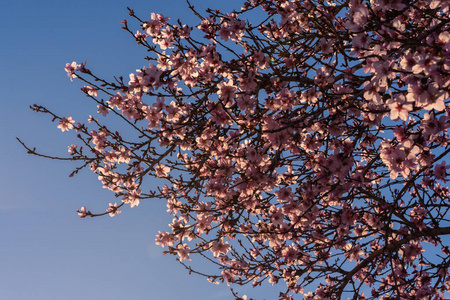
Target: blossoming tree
[306,148]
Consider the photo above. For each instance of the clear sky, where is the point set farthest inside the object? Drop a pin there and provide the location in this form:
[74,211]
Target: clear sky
[46,250]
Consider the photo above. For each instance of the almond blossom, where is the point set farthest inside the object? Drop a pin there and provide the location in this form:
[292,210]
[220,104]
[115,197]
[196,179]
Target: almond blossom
[66,123]
[306,147]
[82,212]
[113,210]
[162,170]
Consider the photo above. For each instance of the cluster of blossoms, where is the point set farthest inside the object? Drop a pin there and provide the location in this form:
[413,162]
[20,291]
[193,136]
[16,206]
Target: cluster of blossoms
[307,150]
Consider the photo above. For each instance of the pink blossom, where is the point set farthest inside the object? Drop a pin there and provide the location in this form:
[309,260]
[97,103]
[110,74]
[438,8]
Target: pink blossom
[440,171]
[140,36]
[353,252]
[425,63]
[284,194]
[66,124]
[162,170]
[132,197]
[71,68]
[102,110]
[260,59]
[290,254]
[165,239]
[226,90]
[399,108]
[173,112]
[113,210]
[183,251]
[277,217]
[326,46]
[82,212]
[411,252]
[72,149]
[218,248]
[154,25]
[408,61]
[433,97]
[306,148]
[91,91]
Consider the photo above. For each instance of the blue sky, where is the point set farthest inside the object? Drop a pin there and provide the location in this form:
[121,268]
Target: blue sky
[46,250]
